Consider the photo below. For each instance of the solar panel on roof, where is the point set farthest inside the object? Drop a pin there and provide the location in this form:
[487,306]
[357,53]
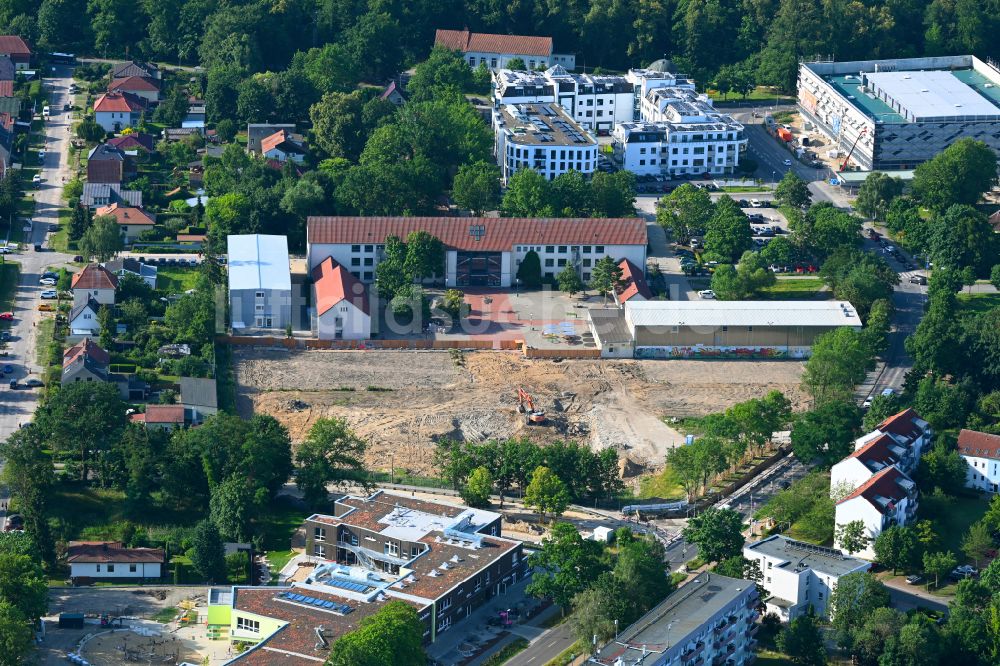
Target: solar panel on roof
[328,604]
[318,602]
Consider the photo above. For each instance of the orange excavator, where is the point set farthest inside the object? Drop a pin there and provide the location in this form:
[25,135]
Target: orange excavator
[526,406]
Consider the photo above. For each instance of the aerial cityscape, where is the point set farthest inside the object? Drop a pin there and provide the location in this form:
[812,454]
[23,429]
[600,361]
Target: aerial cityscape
[469,333]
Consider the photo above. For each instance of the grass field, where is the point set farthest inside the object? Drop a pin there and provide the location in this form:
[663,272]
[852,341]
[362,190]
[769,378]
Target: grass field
[759,94]
[662,484]
[977,303]
[9,272]
[176,280]
[788,289]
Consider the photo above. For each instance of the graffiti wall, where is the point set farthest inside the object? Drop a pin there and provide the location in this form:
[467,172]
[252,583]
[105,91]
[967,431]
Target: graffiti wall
[706,352]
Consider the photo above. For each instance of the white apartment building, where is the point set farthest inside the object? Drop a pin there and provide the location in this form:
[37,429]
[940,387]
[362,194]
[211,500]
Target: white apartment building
[799,575]
[496,51]
[981,452]
[898,441]
[888,498]
[541,137]
[480,251]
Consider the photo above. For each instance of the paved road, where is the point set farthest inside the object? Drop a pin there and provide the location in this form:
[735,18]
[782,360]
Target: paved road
[548,647]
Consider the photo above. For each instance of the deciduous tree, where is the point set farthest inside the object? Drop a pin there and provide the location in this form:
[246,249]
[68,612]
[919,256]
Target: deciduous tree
[546,492]
[718,533]
[852,536]
[330,453]
[566,565]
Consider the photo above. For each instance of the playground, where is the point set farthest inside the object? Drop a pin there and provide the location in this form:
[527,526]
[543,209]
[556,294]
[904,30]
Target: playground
[138,644]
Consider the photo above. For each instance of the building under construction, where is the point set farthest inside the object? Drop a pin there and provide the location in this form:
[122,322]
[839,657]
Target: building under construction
[895,114]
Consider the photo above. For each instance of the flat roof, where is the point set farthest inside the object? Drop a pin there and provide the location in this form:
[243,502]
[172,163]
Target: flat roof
[799,556]
[676,618]
[541,124]
[609,325]
[742,313]
[257,261]
[923,96]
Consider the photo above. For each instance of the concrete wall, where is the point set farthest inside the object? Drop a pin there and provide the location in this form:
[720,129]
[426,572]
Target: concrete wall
[88,570]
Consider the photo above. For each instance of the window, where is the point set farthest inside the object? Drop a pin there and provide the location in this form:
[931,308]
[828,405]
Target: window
[586,277]
[725,329]
[319,550]
[355,248]
[391,548]
[549,263]
[561,263]
[258,308]
[445,624]
[369,261]
[414,551]
[98,568]
[132,568]
[586,263]
[246,624]
[259,294]
[673,329]
[111,568]
[493,532]
[319,534]
[368,276]
[369,248]
[586,249]
[562,249]
[599,249]
[355,261]
[446,603]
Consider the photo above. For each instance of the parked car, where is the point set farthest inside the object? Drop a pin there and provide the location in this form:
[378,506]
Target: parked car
[914,579]
[49,294]
[6,316]
[46,307]
[867,403]
[33,382]
[7,369]
[78,257]
[5,250]
[50,274]
[754,203]
[918,279]
[48,282]
[706,293]
[67,107]
[36,179]
[788,163]
[45,111]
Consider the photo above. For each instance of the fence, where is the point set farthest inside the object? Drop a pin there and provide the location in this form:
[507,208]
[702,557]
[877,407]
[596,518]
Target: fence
[414,344]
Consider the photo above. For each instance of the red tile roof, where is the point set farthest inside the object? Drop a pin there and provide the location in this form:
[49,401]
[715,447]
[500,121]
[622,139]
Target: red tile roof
[86,347]
[495,234]
[980,444]
[273,141]
[127,214]
[884,483]
[478,42]
[902,424]
[130,83]
[13,45]
[634,282]
[94,276]
[119,102]
[164,414]
[335,283]
[6,88]
[132,141]
[112,552]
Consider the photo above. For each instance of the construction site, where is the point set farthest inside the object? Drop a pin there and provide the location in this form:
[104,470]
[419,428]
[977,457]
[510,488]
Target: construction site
[402,402]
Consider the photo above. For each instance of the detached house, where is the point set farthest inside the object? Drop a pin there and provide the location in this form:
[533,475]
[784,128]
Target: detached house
[343,310]
[17,50]
[141,86]
[165,417]
[114,111]
[496,51]
[133,142]
[85,362]
[257,132]
[888,498]
[282,146]
[260,282]
[124,70]
[633,284]
[103,560]
[981,452]
[83,318]
[96,283]
[109,164]
[131,220]
[122,267]
[96,195]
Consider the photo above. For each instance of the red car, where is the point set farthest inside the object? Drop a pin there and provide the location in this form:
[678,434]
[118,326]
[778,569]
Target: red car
[6,316]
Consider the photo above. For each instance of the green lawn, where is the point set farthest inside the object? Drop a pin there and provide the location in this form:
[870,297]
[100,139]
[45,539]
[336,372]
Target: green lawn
[746,188]
[59,241]
[977,303]
[793,288]
[760,93]
[953,520]
[9,271]
[278,527]
[176,280]
[662,485]
[79,510]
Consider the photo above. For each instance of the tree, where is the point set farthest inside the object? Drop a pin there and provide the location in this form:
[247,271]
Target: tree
[957,175]
[443,73]
[88,130]
[877,631]
[606,276]
[718,533]
[477,186]
[330,453]
[225,129]
[517,64]
[685,212]
[855,598]
[566,565]
[825,434]
[839,361]
[978,542]
[23,584]
[792,191]
[803,641]
[72,191]
[234,505]
[527,195]
[963,238]
[852,536]
[530,271]
[995,276]
[79,221]
[424,255]
[478,488]
[569,280]
[172,110]
[727,233]
[876,193]
[208,553]
[16,635]
[393,636]
[453,302]
[103,240]
[546,492]
[939,564]
[896,547]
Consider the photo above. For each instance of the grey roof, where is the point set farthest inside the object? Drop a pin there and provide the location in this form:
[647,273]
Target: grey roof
[84,362]
[609,325]
[124,70]
[6,68]
[103,151]
[111,191]
[256,132]
[800,556]
[924,96]
[742,313]
[661,65]
[196,391]
[258,261]
[677,617]
[11,105]
[118,266]
[90,302]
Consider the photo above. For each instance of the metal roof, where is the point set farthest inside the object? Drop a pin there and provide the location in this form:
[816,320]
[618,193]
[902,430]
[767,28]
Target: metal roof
[922,96]
[257,261]
[742,313]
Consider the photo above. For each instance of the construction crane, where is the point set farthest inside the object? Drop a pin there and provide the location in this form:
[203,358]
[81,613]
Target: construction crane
[526,406]
[847,159]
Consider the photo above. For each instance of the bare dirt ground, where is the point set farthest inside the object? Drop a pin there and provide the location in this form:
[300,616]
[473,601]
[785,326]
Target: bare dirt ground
[426,396]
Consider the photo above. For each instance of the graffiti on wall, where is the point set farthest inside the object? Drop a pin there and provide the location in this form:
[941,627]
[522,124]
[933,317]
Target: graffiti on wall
[701,351]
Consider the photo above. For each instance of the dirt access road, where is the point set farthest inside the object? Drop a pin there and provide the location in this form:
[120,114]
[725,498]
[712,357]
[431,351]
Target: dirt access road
[420,397]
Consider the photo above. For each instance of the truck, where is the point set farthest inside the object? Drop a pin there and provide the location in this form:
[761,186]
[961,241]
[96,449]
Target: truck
[784,134]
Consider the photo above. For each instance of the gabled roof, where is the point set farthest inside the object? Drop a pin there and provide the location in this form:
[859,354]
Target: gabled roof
[633,282]
[127,214]
[119,102]
[906,423]
[13,45]
[478,42]
[105,152]
[877,453]
[198,392]
[105,172]
[133,68]
[883,490]
[391,88]
[129,265]
[94,276]
[7,71]
[109,191]
[978,444]
[132,141]
[334,283]
[283,141]
[129,83]
[112,552]
[89,304]
[88,348]
[163,414]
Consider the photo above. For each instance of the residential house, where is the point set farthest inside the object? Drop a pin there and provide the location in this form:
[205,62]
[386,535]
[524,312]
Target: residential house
[897,441]
[981,452]
[888,498]
[7,133]
[196,115]
[111,560]
[496,51]
[141,86]
[133,142]
[994,221]
[114,111]
[907,427]
[83,318]
[7,75]
[15,48]
[260,283]
[799,576]
[124,70]
[164,417]
[709,621]
[633,284]
[541,137]
[109,164]
[199,398]
[122,267]
[131,220]
[393,93]
[282,147]
[85,362]
[257,132]
[343,309]
[180,133]
[96,195]
[94,282]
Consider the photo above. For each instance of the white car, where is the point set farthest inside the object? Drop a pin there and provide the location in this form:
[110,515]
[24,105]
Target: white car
[867,403]
[5,250]
[49,294]
[788,163]
[45,110]
[47,282]
[706,293]
[755,203]
[36,179]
